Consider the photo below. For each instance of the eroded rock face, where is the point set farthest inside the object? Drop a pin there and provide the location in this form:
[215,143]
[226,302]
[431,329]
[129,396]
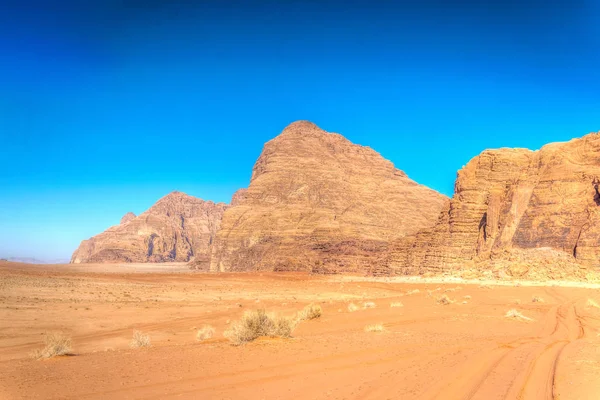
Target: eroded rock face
[318,202]
[238,197]
[516,212]
[177,228]
[127,217]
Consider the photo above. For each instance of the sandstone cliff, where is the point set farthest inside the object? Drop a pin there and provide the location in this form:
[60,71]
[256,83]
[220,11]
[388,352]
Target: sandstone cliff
[177,228]
[516,212]
[318,202]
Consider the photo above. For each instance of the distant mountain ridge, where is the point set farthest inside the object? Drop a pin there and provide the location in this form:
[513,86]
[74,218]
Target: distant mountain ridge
[32,260]
[317,202]
[178,227]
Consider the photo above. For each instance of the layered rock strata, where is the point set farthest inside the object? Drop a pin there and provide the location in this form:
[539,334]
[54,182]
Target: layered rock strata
[516,212]
[177,228]
[318,202]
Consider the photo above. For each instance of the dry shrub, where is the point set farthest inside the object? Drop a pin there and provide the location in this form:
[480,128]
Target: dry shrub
[517,315]
[413,292]
[352,307]
[56,344]
[467,297]
[206,332]
[255,324]
[592,303]
[374,328]
[396,304]
[485,286]
[311,311]
[369,304]
[139,339]
[537,299]
[445,300]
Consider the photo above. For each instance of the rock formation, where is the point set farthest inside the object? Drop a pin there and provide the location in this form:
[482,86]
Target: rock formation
[127,217]
[318,202]
[177,228]
[516,212]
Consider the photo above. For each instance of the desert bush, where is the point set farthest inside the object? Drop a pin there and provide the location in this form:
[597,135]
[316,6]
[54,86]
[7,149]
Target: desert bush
[284,327]
[56,344]
[369,304]
[374,328]
[206,332]
[311,311]
[139,339]
[592,303]
[255,324]
[537,299]
[352,307]
[396,304]
[445,300]
[415,291]
[516,314]
[467,297]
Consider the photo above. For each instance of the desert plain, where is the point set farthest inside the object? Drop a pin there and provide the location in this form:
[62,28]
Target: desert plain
[423,347]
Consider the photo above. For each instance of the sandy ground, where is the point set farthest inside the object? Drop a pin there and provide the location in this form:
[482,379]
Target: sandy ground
[465,350]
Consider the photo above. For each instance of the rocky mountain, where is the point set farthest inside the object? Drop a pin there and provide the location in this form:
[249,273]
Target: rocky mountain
[177,228]
[127,217]
[318,202]
[516,212]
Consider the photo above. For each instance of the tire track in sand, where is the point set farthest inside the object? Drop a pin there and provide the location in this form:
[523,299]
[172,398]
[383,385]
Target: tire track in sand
[523,370]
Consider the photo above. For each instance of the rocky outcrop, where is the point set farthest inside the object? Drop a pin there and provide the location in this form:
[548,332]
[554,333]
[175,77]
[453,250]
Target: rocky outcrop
[127,217]
[177,228]
[318,202]
[516,212]
[238,197]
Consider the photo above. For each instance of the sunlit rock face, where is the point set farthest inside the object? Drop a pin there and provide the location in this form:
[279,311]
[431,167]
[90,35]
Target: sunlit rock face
[516,212]
[320,203]
[177,228]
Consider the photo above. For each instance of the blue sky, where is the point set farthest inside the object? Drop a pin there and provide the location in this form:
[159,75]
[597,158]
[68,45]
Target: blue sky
[106,106]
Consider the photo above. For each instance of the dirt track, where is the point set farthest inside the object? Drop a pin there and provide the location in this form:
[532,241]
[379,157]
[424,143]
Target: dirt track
[465,350]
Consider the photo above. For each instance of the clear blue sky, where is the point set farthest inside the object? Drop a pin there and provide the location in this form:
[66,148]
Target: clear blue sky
[105,106]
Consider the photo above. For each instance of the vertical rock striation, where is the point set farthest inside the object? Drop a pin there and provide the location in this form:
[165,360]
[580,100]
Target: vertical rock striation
[516,212]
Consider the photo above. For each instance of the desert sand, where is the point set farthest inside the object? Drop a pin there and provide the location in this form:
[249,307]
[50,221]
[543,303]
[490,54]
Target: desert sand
[467,349]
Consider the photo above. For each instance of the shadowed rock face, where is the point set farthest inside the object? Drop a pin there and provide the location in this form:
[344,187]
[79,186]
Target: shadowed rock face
[318,202]
[514,210]
[177,228]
